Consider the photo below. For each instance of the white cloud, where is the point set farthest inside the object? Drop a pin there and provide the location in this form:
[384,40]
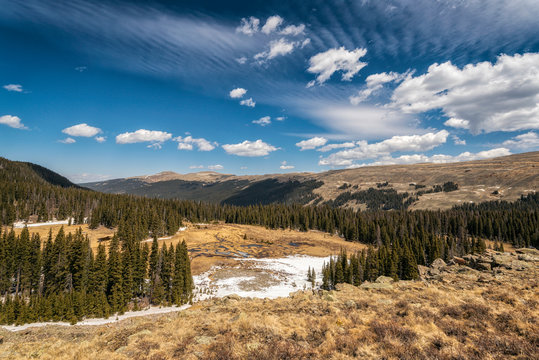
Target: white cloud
[263,121]
[482,97]
[186,143]
[458,141]
[405,143]
[68,140]
[277,48]
[81,68]
[248,26]
[526,141]
[216,167]
[362,121]
[241,60]
[86,177]
[244,168]
[293,30]
[285,166]
[12,121]
[280,118]
[438,159]
[143,135]
[457,123]
[100,139]
[272,23]
[13,87]
[196,167]
[249,148]
[237,93]
[331,147]
[328,62]
[248,102]
[312,143]
[374,83]
[83,130]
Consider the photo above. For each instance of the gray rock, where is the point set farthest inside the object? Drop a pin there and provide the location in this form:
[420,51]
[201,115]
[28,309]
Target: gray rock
[369,285]
[483,266]
[384,280]
[423,271]
[438,263]
[528,251]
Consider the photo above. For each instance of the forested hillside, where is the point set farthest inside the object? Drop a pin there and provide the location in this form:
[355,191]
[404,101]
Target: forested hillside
[401,240]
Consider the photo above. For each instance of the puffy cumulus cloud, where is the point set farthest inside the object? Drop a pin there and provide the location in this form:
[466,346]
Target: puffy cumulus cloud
[272,23]
[312,143]
[458,141]
[439,158]
[250,148]
[293,30]
[276,48]
[374,83]
[328,62]
[263,121]
[285,166]
[187,143]
[248,102]
[237,93]
[12,121]
[331,147]
[143,135]
[100,139]
[406,143]
[67,140]
[83,130]
[248,26]
[482,97]
[527,141]
[216,167]
[457,123]
[13,87]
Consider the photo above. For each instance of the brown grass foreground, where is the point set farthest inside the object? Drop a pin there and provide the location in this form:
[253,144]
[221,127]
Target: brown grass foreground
[464,314]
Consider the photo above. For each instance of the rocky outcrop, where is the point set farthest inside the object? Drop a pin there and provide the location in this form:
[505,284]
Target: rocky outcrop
[489,262]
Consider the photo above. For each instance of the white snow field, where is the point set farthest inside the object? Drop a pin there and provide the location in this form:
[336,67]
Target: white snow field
[255,278]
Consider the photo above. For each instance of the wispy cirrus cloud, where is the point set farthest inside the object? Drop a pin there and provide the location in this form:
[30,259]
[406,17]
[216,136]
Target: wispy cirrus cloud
[13,87]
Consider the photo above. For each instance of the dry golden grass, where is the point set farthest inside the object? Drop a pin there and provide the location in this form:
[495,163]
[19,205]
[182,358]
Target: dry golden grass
[456,317]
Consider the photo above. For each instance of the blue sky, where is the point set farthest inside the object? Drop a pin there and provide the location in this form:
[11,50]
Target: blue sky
[105,89]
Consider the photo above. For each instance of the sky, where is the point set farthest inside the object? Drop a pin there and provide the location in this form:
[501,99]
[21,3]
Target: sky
[105,89]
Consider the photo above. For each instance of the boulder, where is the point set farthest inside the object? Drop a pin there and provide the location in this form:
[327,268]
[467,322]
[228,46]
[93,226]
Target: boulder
[369,285]
[459,260]
[384,280]
[233,297]
[485,266]
[438,264]
[423,271]
[526,257]
[528,251]
[502,259]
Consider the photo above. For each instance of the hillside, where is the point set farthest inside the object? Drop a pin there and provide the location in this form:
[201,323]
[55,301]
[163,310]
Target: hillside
[504,178]
[15,170]
[455,312]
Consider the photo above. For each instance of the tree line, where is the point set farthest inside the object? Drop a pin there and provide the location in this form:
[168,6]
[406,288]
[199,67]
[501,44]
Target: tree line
[63,280]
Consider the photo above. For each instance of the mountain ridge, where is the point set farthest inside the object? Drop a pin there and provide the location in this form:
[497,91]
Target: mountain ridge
[504,178]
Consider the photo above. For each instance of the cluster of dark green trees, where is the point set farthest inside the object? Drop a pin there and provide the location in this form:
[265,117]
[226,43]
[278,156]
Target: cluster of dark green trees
[398,259]
[63,280]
